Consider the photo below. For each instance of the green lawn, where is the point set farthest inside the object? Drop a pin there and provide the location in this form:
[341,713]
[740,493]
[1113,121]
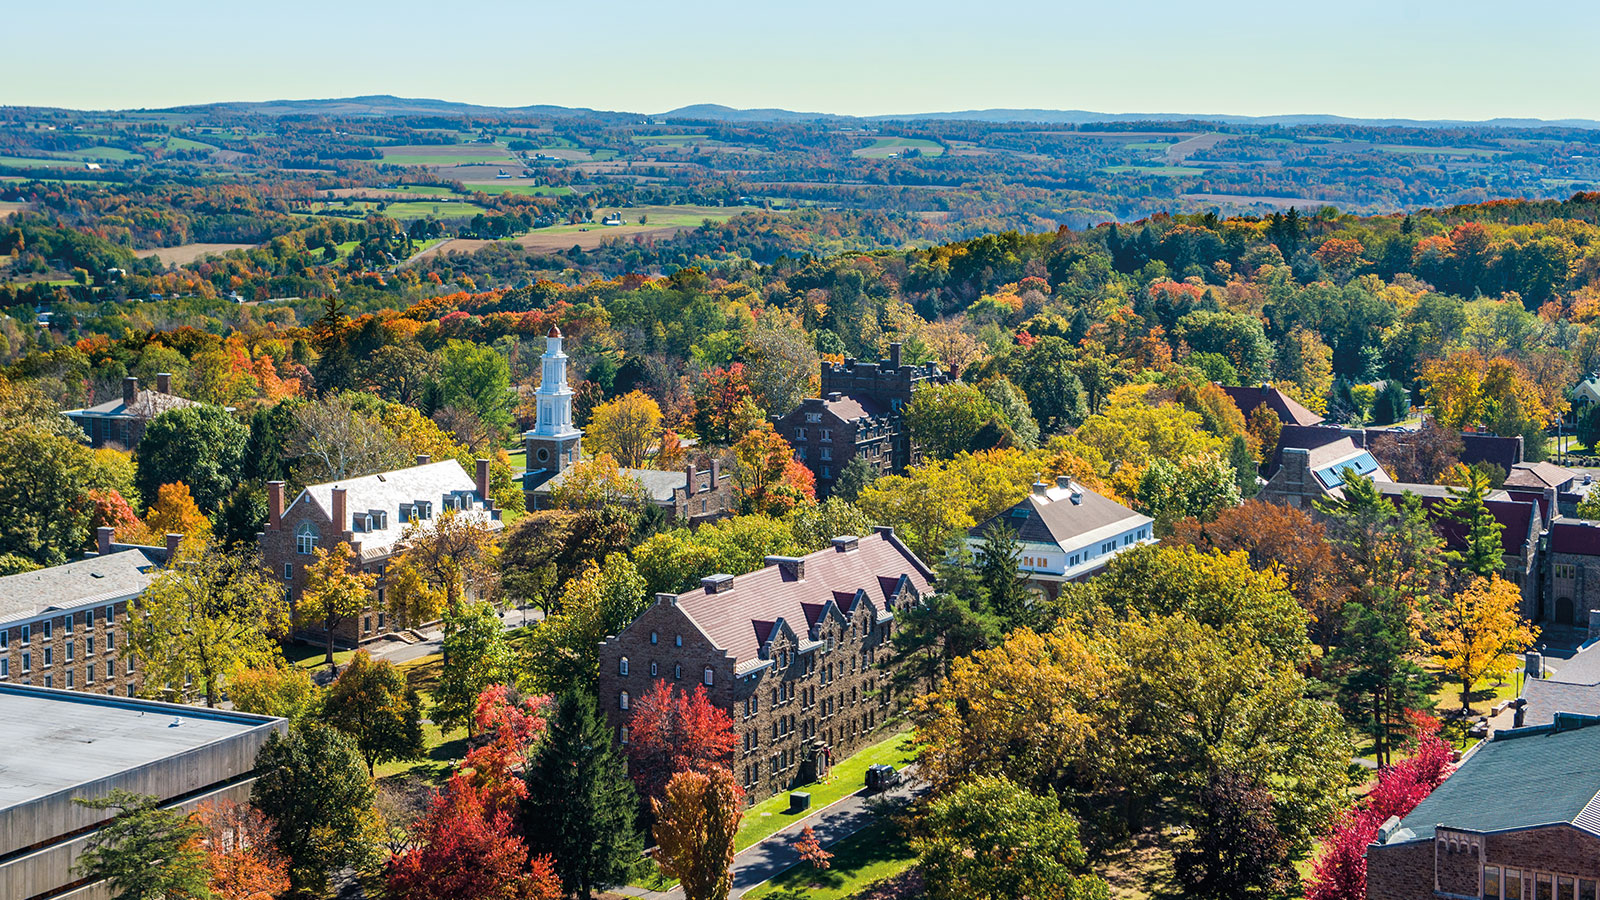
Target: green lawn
[1158,171]
[519,459]
[314,657]
[859,861]
[849,775]
[884,146]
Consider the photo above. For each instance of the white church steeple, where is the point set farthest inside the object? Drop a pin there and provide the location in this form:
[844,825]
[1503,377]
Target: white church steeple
[554,417]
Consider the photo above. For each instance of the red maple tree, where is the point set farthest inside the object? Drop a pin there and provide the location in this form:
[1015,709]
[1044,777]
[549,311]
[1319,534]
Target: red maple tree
[672,732]
[810,849]
[1340,873]
[512,725]
[466,852]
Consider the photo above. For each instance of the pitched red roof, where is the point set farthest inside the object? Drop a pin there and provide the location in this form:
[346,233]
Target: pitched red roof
[1579,536]
[740,618]
[1289,411]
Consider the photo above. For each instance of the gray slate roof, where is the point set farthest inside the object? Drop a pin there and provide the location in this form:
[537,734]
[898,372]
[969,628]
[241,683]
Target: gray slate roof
[658,483]
[98,579]
[1519,779]
[146,405]
[1052,517]
[1573,686]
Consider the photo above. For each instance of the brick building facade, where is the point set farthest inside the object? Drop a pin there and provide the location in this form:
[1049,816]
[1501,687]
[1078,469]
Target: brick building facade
[65,626]
[1519,820]
[796,652]
[859,414]
[370,514]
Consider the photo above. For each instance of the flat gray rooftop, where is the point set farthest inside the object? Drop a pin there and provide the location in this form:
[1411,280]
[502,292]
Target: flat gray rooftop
[53,740]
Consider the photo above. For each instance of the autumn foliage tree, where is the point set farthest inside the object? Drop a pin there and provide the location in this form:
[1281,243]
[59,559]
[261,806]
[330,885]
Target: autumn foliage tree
[244,864]
[627,428]
[768,477]
[371,702]
[513,724]
[671,731]
[810,850]
[335,591]
[1340,871]
[696,820]
[467,852]
[1476,631]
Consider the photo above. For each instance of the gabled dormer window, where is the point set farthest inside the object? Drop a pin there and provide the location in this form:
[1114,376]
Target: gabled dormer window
[405,512]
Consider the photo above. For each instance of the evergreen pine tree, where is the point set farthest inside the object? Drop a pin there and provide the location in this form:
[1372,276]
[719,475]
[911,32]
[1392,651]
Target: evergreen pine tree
[1245,470]
[1000,571]
[580,805]
[1466,505]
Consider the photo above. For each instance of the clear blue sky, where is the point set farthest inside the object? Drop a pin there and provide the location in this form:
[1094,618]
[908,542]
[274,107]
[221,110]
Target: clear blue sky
[1467,59]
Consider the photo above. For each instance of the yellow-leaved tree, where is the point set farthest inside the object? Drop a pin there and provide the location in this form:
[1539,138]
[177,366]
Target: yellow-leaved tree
[1476,631]
[336,590]
[626,428]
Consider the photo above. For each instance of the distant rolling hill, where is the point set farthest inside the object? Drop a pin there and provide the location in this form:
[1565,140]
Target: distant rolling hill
[385,105]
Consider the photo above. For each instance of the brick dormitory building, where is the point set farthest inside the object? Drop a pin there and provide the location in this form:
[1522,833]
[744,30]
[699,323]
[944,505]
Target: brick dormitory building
[370,514]
[796,652]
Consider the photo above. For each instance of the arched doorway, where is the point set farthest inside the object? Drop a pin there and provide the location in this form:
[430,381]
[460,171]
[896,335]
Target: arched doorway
[1563,610]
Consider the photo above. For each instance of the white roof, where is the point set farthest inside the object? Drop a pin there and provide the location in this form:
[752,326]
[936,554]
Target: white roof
[433,483]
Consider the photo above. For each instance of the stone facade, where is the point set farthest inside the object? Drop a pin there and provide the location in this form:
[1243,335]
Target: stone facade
[1545,862]
[816,690]
[859,414]
[828,432]
[121,422]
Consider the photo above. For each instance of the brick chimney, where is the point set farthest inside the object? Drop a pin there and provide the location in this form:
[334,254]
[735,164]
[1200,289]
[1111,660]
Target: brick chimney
[341,516]
[423,459]
[130,390]
[173,540]
[688,478]
[894,355]
[792,567]
[481,481]
[716,472]
[102,539]
[274,505]
[164,382]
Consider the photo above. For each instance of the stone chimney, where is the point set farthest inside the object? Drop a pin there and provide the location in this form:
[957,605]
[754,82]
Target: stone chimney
[1041,490]
[664,599]
[102,539]
[894,355]
[847,543]
[792,567]
[173,540]
[164,382]
[130,390]
[481,481]
[717,584]
[341,516]
[1063,481]
[689,472]
[716,472]
[423,459]
[274,505]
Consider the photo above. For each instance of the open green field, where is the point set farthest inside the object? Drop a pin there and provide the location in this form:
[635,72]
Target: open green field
[884,147]
[1436,151]
[526,190]
[668,138]
[1150,145]
[102,154]
[178,143]
[421,190]
[849,776]
[35,162]
[860,860]
[446,154]
[1158,171]
[411,209]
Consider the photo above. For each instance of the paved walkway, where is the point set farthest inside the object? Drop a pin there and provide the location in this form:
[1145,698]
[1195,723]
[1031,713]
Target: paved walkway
[773,855]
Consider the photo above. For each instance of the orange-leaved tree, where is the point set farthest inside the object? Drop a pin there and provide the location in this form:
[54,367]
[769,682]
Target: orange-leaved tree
[696,822]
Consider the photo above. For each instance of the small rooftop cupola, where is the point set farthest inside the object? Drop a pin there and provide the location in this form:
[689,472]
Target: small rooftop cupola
[718,583]
[835,396]
[793,568]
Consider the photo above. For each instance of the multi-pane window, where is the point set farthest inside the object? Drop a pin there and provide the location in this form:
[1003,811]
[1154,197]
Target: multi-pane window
[305,538]
[622,666]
